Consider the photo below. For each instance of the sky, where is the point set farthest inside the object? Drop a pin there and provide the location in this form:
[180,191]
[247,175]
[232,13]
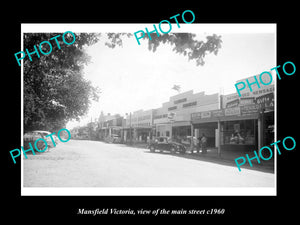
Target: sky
[132,78]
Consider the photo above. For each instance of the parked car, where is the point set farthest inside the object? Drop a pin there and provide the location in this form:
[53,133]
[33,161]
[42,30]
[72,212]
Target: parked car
[31,137]
[114,138]
[165,144]
[48,139]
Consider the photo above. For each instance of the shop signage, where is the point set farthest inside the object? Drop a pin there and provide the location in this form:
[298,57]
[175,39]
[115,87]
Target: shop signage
[171,116]
[206,114]
[218,113]
[233,111]
[266,101]
[233,103]
[243,110]
[246,101]
[249,109]
[196,116]
[249,98]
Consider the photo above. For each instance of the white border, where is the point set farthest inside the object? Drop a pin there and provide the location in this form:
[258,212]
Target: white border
[141,191]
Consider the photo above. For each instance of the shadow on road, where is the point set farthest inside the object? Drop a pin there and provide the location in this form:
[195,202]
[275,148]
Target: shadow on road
[227,159]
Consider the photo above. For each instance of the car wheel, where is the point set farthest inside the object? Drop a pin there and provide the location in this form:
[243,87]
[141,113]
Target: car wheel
[173,150]
[152,149]
[41,146]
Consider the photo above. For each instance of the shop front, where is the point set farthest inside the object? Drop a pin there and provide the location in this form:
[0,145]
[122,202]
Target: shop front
[239,128]
[235,128]
[181,130]
[163,129]
[247,122]
[239,135]
[206,123]
[209,130]
[143,134]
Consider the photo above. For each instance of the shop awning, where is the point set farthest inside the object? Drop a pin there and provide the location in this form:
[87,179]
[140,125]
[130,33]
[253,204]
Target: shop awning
[181,123]
[228,114]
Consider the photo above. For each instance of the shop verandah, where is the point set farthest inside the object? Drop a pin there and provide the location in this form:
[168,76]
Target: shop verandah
[239,129]
[135,135]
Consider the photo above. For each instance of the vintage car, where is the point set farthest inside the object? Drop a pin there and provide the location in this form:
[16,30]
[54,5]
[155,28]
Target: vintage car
[48,139]
[165,144]
[32,136]
[114,138]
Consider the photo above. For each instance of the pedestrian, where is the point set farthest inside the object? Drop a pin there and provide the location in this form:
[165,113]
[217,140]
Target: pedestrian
[203,143]
[199,145]
[195,144]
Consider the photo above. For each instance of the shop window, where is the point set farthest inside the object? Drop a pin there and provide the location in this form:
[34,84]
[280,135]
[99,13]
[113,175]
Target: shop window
[238,132]
[172,108]
[180,101]
[189,104]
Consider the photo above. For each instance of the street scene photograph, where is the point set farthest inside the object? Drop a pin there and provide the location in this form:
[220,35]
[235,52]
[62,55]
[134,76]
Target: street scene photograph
[161,115]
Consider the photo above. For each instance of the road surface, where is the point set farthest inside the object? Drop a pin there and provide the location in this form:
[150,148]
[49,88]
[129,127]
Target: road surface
[83,163]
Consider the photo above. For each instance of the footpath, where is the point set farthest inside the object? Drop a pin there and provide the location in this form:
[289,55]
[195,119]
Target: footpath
[226,158]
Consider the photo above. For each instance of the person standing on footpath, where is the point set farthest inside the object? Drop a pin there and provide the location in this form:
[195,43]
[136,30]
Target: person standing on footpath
[203,144]
[195,144]
[199,144]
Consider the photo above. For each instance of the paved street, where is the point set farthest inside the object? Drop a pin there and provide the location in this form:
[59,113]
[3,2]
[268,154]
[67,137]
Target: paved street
[83,163]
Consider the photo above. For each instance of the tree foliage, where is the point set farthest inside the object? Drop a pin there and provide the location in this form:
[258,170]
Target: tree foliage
[182,43]
[186,44]
[54,88]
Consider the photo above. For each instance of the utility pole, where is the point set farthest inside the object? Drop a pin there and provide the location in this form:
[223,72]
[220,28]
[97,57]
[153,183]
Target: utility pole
[171,120]
[130,128]
[90,130]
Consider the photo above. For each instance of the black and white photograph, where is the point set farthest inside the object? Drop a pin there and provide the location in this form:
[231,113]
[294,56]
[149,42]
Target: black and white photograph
[143,111]
[118,109]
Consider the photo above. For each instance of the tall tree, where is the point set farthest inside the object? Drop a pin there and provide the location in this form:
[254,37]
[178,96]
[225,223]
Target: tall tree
[54,88]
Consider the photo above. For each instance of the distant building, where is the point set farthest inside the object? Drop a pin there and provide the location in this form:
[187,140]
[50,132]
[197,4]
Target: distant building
[173,119]
[80,132]
[109,125]
[139,126]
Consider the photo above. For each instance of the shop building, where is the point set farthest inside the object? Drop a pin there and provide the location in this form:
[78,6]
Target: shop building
[223,124]
[257,106]
[109,125]
[173,119]
[138,126]
[242,123]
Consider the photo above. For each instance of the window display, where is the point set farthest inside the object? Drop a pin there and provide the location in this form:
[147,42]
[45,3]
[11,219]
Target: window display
[238,132]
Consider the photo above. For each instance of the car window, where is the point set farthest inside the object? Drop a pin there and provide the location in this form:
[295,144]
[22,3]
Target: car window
[31,135]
